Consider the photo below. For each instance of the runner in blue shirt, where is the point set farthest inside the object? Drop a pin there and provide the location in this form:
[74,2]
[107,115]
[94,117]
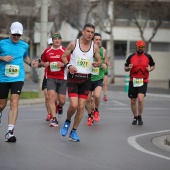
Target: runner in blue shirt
[13,54]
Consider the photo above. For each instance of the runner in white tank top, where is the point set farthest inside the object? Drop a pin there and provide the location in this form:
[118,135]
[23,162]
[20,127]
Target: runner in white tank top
[82,60]
[79,78]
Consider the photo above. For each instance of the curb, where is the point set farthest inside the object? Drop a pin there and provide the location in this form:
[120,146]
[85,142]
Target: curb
[29,101]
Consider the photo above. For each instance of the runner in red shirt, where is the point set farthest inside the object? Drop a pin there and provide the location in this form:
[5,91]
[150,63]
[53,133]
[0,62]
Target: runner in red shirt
[139,64]
[56,76]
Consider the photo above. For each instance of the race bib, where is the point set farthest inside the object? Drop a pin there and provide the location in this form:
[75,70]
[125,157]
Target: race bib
[95,71]
[12,70]
[53,67]
[137,82]
[81,62]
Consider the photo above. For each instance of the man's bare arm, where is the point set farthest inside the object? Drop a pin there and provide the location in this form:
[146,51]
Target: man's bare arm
[96,56]
[67,52]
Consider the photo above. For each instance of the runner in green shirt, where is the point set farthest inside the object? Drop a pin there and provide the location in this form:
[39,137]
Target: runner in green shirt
[93,101]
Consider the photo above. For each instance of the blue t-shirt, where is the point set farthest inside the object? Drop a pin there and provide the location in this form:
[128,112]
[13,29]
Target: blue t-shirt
[14,70]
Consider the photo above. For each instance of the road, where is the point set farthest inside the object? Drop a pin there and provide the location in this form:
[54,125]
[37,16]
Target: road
[111,144]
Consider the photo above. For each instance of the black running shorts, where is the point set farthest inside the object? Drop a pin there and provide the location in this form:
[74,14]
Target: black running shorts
[134,91]
[14,87]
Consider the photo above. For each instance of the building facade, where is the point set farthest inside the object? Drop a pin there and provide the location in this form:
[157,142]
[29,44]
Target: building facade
[123,20]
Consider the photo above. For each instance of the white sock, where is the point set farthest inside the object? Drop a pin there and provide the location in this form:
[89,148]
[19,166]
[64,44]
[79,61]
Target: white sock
[10,127]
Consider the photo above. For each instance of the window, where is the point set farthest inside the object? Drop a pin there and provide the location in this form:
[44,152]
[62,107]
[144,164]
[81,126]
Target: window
[141,14]
[132,46]
[160,47]
[120,49]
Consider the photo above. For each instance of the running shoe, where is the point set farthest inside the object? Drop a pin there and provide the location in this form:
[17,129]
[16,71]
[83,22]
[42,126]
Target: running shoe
[96,116]
[0,116]
[49,117]
[64,129]
[92,112]
[9,137]
[105,98]
[73,136]
[135,120]
[89,121]
[54,123]
[60,112]
[140,122]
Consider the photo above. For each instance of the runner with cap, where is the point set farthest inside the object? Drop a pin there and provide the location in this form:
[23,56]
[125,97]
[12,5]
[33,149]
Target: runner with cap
[56,76]
[13,54]
[139,64]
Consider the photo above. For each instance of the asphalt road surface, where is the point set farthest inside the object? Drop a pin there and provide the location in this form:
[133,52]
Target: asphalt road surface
[111,144]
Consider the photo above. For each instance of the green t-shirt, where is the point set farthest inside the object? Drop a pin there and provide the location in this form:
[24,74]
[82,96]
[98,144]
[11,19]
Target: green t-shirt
[101,71]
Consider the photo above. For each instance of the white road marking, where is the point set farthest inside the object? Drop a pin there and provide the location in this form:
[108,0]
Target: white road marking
[127,108]
[114,102]
[133,143]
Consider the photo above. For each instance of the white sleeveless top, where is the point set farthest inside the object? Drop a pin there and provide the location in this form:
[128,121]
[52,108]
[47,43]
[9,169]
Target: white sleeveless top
[82,60]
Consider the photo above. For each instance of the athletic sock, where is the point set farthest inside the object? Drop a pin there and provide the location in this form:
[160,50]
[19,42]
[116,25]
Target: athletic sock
[10,127]
[89,115]
[96,109]
[59,107]
[68,121]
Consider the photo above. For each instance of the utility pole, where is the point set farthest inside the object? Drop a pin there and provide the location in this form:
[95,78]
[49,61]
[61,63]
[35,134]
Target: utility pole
[112,58]
[43,41]
[44,28]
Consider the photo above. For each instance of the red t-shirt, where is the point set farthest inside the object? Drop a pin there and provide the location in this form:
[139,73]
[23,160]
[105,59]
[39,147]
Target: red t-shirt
[140,62]
[52,56]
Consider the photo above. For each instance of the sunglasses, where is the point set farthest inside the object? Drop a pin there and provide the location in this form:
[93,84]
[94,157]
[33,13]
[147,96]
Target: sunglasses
[16,35]
[141,47]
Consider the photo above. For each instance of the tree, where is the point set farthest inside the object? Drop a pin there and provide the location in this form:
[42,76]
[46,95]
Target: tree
[105,22]
[74,12]
[148,9]
[143,12]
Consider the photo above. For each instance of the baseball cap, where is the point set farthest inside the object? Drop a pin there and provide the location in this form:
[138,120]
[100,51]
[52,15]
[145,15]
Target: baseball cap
[50,41]
[140,43]
[16,28]
[57,34]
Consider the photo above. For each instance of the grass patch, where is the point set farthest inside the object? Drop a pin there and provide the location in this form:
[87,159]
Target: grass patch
[28,95]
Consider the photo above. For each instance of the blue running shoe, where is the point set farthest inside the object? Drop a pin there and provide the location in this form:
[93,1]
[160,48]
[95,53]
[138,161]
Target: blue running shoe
[64,129]
[73,136]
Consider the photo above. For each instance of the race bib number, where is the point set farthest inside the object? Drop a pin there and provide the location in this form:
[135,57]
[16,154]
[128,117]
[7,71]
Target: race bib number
[54,67]
[95,71]
[137,82]
[12,70]
[81,62]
